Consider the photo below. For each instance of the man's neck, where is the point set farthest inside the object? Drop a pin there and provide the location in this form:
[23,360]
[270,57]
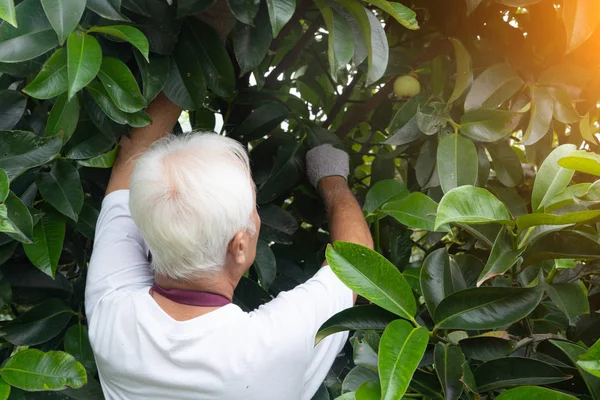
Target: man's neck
[218,284]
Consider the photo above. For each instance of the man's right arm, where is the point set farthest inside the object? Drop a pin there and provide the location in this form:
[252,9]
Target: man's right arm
[327,169]
[346,220]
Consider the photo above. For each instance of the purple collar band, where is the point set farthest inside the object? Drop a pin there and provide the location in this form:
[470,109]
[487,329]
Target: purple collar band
[192,297]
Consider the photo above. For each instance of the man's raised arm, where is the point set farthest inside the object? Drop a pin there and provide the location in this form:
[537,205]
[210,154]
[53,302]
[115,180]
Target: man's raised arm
[164,116]
[327,169]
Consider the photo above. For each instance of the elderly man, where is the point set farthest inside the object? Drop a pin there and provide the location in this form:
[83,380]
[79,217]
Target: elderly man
[166,328]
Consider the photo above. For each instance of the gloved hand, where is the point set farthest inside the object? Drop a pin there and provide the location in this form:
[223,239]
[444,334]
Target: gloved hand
[325,160]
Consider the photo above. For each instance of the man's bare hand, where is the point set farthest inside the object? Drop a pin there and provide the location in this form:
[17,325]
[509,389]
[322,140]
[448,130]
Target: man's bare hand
[164,116]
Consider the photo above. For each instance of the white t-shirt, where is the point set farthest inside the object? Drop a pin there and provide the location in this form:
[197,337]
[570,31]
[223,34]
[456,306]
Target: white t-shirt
[227,354]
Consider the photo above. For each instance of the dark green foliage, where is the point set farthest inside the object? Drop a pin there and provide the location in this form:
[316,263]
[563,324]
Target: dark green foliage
[481,259]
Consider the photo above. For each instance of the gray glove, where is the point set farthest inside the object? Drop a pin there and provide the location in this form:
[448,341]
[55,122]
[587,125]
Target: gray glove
[325,160]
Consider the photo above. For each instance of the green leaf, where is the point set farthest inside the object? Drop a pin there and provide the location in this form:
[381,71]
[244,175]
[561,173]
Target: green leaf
[154,74]
[105,160]
[252,41]
[176,91]
[77,343]
[355,378]
[464,73]
[425,171]
[404,15]
[19,217]
[102,99]
[86,224]
[502,257]
[33,37]
[38,325]
[493,87]
[192,7]
[542,109]
[551,178]
[486,125]
[562,244]
[581,160]
[24,150]
[61,188]
[265,264]
[317,135]
[369,391]
[374,37]
[357,318]
[383,192]
[564,109]
[7,13]
[34,370]
[533,393]
[84,58]
[4,387]
[127,33]
[12,107]
[278,225]
[404,128]
[372,276]
[456,162]
[486,307]
[285,174]
[570,298]
[340,39]
[121,85]
[573,352]
[245,11]
[506,163]
[108,9]
[93,145]
[52,80]
[515,371]
[280,12]
[64,15]
[471,205]
[262,121]
[433,119]
[448,360]
[4,185]
[485,348]
[438,278]
[364,354]
[581,17]
[200,55]
[48,236]
[63,117]
[401,348]
[579,217]
[427,384]
[585,129]
[590,361]
[415,210]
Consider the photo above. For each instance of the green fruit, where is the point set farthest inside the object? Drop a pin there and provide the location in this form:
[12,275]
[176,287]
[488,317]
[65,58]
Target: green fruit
[406,86]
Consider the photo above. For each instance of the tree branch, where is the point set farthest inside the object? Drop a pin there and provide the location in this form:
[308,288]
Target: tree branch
[341,100]
[362,112]
[290,58]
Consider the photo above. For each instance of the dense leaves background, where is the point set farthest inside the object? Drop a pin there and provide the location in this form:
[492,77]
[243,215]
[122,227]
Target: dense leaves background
[480,189]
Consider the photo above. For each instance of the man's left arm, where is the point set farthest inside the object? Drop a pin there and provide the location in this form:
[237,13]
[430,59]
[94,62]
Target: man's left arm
[120,255]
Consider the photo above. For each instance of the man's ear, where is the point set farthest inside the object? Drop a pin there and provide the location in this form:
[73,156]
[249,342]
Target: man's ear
[237,248]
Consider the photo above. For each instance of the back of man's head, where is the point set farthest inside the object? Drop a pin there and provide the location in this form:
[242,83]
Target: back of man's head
[190,195]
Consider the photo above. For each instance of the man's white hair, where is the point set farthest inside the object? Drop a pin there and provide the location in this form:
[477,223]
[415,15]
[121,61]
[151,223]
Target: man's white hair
[190,195]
